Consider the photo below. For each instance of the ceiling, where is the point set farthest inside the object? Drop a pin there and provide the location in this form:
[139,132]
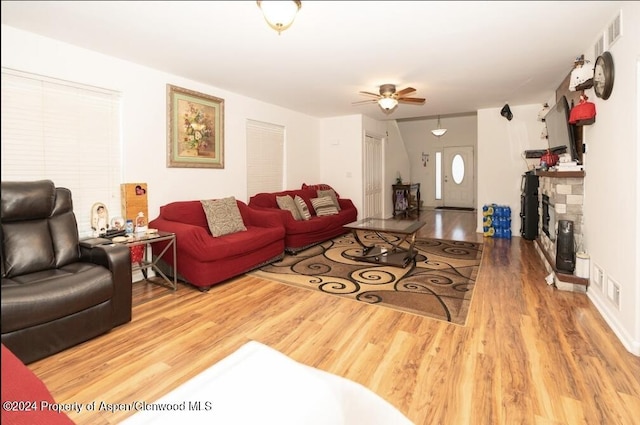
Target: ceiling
[460,56]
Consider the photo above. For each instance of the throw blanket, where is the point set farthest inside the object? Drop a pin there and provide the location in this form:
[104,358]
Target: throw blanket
[259,385]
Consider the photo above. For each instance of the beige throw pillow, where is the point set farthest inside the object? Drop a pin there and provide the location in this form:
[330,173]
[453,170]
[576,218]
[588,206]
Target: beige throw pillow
[286,203]
[302,208]
[330,193]
[223,216]
[324,206]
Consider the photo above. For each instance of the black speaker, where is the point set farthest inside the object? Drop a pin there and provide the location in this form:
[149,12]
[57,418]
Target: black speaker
[506,112]
[565,251]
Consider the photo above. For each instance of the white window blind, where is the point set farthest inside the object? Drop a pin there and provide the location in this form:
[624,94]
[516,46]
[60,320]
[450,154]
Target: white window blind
[265,157]
[64,132]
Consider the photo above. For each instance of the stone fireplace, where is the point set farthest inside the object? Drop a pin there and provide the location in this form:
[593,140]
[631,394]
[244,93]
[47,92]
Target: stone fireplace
[561,196]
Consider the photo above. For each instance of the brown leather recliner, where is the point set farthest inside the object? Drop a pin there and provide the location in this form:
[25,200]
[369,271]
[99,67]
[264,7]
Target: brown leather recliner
[57,291]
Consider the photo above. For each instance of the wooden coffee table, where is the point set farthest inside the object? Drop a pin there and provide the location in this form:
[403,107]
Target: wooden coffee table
[389,252]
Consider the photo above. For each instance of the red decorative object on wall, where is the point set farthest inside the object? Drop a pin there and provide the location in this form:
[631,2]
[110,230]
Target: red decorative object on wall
[584,113]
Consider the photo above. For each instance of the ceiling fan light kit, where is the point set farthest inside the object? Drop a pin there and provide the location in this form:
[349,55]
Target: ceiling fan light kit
[439,132]
[387,103]
[279,14]
[389,98]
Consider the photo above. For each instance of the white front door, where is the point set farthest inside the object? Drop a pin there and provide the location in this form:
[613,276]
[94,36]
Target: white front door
[458,188]
[372,177]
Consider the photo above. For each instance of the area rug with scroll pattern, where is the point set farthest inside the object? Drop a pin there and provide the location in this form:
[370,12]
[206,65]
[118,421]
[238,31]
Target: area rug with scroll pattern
[439,285]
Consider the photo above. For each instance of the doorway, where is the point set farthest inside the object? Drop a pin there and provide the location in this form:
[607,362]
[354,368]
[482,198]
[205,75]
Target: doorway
[372,177]
[458,177]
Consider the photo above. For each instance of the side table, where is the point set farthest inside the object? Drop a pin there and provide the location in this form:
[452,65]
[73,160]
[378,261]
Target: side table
[146,240]
[406,199]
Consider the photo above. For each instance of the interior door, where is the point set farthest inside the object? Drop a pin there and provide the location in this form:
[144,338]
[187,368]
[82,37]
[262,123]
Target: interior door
[372,177]
[459,177]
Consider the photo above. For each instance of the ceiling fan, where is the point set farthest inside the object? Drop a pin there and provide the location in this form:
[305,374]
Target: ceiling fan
[389,98]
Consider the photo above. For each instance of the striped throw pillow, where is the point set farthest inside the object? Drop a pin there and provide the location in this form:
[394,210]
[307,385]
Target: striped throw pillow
[324,206]
[303,209]
[332,194]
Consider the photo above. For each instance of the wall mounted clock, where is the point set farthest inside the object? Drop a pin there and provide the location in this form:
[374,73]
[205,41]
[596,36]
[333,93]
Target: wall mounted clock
[603,75]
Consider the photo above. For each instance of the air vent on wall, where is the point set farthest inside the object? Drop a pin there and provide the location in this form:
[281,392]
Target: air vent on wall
[614,31]
[598,49]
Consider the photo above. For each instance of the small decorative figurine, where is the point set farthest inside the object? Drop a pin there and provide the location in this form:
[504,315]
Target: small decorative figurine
[99,219]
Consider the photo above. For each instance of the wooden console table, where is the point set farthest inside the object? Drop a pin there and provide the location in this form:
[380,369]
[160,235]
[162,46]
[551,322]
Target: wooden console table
[406,199]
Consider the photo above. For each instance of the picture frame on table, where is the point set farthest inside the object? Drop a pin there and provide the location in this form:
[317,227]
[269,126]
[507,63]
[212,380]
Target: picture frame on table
[195,129]
[117,223]
[99,219]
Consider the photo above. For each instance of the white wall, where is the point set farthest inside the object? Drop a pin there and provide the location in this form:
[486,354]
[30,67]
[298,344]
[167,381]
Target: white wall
[341,146]
[501,145]
[340,157]
[611,200]
[144,131]
[461,131]
[636,328]
[396,160]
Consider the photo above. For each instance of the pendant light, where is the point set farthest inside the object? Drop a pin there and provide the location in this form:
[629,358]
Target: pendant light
[279,14]
[439,132]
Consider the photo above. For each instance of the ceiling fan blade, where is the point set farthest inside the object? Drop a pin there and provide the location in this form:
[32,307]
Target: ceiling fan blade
[365,101]
[406,91]
[367,93]
[413,100]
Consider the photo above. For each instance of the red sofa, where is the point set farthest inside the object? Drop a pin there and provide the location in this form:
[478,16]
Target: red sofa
[204,260]
[301,234]
[25,398]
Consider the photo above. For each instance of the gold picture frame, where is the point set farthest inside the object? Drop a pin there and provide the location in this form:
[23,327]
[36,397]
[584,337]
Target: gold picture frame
[195,129]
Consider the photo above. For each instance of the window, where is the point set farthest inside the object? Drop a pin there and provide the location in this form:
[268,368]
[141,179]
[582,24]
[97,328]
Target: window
[457,169]
[438,175]
[265,157]
[65,132]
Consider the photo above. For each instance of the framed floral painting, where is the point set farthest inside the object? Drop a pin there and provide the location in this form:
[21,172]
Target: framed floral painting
[195,129]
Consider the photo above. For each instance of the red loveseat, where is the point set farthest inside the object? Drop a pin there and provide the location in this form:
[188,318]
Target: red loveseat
[302,234]
[204,260]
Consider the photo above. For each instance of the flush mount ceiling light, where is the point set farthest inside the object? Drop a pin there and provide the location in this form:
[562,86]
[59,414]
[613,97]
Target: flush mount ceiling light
[439,132]
[279,14]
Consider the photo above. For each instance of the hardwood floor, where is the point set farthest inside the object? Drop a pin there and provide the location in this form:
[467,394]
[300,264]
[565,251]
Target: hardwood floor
[529,354]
